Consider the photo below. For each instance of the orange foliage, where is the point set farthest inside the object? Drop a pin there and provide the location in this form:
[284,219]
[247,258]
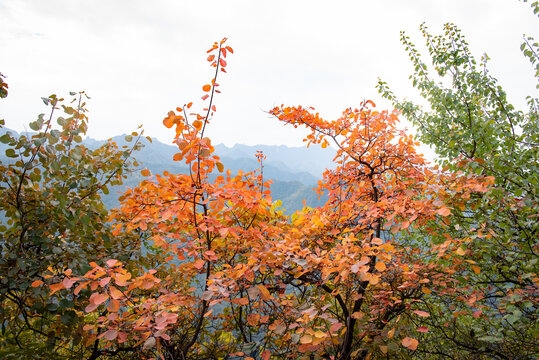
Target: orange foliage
[335,280]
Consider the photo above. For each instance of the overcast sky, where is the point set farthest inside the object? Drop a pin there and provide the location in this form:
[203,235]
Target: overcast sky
[139,59]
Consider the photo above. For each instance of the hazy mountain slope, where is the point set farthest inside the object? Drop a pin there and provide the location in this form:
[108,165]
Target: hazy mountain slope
[313,160]
[294,171]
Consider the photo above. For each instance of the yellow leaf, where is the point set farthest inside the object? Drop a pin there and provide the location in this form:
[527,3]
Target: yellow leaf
[460,251]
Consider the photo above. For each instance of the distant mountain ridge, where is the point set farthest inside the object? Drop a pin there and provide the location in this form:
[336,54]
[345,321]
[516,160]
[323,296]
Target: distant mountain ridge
[295,171]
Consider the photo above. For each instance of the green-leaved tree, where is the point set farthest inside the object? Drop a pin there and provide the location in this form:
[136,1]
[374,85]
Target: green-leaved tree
[474,128]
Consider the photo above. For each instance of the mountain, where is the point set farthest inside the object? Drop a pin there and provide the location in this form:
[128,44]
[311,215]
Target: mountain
[291,184]
[294,171]
[313,160]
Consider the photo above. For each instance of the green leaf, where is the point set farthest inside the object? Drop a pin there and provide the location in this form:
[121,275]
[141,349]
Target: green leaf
[11,153]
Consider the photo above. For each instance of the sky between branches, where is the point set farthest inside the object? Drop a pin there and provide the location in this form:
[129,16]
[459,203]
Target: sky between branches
[138,59]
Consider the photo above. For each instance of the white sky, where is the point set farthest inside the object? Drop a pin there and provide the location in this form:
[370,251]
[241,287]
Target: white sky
[139,59]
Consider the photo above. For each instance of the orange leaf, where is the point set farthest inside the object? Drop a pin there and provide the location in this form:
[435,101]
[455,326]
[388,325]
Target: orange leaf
[205,97]
[410,343]
[476,269]
[199,264]
[380,266]
[80,287]
[168,122]
[37,283]
[243,301]
[56,287]
[206,88]
[113,306]
[306,339]
[211,57]
[197,124]
[443,211]
[99,298]
[115,293]
[264,293]
[423,329]
[265,355]
[145,172]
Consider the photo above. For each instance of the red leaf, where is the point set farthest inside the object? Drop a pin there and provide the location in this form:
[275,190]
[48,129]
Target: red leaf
[335,327]
[91,307]
[111,262]
[421,313]
[222,62]
[111,334]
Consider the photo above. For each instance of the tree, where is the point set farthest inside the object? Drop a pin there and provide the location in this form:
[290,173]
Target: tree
[53,218]
[240,279]
[365,284]
[474,129]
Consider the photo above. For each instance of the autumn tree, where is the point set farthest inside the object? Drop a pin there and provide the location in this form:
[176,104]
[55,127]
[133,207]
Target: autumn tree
[362,287]
[53,218]
[240,279]
[475,129]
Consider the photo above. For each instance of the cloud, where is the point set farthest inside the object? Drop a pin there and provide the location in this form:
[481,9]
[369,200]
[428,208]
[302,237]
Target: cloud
[137,60]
